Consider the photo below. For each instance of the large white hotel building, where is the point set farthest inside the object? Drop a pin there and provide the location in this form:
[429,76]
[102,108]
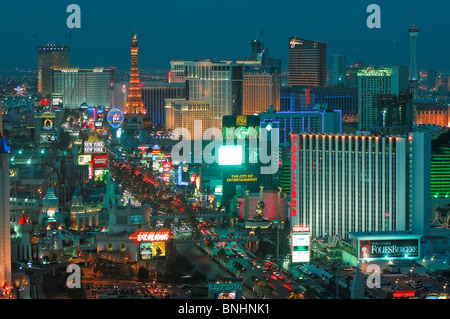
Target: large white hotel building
[360,183]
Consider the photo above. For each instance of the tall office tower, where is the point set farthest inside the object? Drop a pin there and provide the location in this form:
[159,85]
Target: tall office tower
[339,70]
[413,72]
[75,86]
[348,183]
[307,62]
[218,82]
[372,82]
[5,220]
[50,56]
[134,104]
[261,89]
[394,113]
[154,94]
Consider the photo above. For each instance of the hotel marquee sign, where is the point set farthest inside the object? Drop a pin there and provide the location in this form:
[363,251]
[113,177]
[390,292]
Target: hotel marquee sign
[389,249]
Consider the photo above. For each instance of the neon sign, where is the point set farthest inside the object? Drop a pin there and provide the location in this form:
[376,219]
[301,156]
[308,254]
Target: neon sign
[294,176]
[404,293]
[294,42]
[150,236]
[300,229]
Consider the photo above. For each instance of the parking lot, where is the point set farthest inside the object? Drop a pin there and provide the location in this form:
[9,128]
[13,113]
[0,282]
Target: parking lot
[125,289]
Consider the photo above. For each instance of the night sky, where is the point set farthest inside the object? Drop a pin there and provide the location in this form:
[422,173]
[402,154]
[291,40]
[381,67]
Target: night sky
[221,29]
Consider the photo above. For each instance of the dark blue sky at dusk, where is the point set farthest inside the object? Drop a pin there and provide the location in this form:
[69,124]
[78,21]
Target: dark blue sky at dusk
[221,29]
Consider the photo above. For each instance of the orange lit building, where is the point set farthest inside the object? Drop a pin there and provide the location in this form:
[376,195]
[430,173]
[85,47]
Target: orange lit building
[436,115]
[134,104]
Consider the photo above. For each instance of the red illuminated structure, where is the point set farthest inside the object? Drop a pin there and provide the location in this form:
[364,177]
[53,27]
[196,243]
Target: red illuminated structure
[150,236]
[134,104]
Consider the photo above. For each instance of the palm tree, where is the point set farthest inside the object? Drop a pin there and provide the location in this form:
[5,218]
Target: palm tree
[296,294]
[222,255]
[258,287]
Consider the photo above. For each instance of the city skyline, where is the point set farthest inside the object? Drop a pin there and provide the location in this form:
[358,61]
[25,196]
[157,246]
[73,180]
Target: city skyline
[161,34]
[236,150]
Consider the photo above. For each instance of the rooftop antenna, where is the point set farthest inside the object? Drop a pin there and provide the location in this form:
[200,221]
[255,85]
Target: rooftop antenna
[261,34]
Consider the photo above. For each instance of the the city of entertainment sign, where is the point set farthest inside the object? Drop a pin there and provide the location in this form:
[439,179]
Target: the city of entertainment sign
[228,146]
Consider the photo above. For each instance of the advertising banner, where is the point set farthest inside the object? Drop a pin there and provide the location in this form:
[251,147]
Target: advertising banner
[389,249]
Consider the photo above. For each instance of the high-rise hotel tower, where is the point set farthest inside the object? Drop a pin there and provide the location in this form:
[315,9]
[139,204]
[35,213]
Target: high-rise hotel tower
[50,56]
[307,62]
[360,183]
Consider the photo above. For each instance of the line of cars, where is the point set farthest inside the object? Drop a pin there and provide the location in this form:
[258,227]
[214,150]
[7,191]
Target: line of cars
[137,291]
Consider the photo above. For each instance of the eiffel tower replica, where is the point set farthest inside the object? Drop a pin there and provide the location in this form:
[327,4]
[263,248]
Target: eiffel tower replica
[134,104]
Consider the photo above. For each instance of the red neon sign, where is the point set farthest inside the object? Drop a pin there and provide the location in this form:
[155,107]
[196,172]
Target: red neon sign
[150,236]
[100,160]
[404,293]
[294,177]
[300,229]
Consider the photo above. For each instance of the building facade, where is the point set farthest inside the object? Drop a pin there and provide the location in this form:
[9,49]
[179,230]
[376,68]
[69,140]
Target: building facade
[50,56]
[307,62]
[195,116]
[296,98]
[347,183]
[372,82]
[76,86]
[434,115]
[261,90]
[339,70]
[301,122]
[338,98]
[220,83]
[154,94]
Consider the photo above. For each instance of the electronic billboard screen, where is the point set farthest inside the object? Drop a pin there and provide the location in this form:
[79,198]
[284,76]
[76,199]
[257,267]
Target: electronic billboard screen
[300,244]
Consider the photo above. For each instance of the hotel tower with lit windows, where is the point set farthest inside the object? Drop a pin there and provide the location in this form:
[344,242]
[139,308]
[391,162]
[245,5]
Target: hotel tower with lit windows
[360,183]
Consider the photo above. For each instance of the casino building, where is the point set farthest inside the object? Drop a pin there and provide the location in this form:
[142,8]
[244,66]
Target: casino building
[360,183]
[142,245]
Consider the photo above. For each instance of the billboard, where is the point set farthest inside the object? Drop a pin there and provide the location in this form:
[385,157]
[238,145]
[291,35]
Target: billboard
[230,154]
[84,159]
[48,124]
[99,160]
[389,249]
[300,243]
[100,175]
[93,145]
[151,250]
[115,118]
